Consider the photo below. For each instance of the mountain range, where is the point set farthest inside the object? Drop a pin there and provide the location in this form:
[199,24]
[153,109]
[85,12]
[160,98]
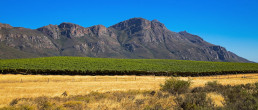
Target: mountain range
[133,38]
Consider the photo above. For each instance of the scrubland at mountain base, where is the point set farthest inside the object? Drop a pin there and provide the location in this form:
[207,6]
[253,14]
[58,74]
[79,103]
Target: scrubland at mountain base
[125,92]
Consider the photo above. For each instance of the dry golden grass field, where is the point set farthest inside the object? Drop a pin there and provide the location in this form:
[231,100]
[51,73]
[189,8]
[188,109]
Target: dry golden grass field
[20,86]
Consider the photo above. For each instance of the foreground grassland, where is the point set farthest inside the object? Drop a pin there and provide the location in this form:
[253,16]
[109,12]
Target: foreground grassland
[32,86]
[127,93]
[111,66]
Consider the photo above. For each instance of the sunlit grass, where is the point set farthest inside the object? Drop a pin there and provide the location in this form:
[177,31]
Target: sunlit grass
[19,86]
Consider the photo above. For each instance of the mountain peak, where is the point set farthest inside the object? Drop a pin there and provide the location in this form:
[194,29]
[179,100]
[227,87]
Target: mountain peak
[155,20]
[67,25]
[138,23]
[137,18]
[132,23]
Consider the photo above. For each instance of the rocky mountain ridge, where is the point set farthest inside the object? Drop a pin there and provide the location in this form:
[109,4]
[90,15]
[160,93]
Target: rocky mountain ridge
[133,38]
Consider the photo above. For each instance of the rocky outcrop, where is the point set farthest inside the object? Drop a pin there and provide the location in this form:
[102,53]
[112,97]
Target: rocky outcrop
[51,30]
[27,40]
[5,26]
[133,38]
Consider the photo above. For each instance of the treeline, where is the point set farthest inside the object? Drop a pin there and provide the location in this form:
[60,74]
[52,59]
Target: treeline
[114,72]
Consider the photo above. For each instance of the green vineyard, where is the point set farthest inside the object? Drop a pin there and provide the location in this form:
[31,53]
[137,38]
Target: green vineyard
[111,66]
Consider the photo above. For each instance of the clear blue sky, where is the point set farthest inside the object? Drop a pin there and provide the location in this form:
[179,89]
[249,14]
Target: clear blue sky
[230,23]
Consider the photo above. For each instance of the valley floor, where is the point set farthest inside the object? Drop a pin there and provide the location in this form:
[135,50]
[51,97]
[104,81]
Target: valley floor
[25,86]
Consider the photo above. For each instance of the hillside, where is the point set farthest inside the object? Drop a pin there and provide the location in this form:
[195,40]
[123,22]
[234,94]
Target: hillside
[135,38]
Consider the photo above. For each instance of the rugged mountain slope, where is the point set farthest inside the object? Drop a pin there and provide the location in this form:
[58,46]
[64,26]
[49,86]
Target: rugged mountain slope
[133,38]
[21,40]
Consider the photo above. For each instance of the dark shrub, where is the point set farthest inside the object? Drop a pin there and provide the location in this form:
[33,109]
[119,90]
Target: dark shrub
[176,86]
[195,101]
[213,86]
[240,97]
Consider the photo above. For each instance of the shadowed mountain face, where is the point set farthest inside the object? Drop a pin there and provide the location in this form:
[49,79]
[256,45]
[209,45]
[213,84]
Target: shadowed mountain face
[133,38]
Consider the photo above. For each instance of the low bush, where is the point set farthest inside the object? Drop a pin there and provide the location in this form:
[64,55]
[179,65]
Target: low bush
[176,86]
[242,97]
[194,101]
[238,97]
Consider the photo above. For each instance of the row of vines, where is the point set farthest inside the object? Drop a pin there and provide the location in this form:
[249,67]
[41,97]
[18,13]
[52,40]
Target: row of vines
[110,72]
[111,66]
